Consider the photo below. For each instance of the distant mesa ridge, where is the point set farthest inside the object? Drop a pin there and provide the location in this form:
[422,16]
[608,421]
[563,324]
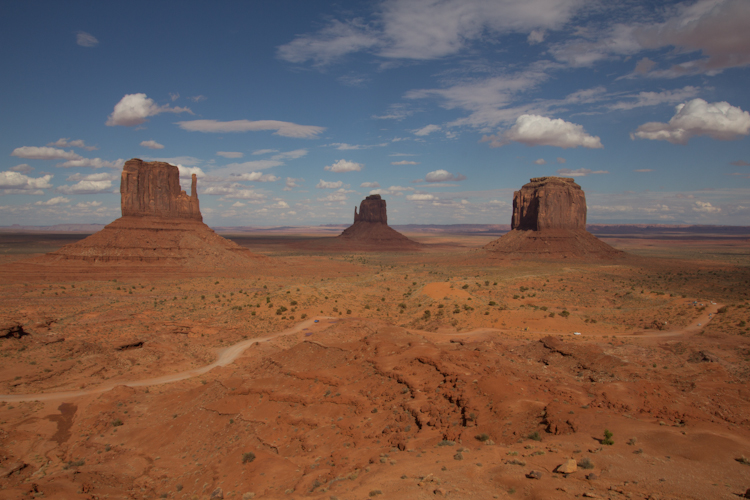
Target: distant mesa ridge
[153,188]
[549,220]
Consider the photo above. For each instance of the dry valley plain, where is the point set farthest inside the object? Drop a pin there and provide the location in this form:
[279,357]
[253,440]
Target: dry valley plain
[444,372]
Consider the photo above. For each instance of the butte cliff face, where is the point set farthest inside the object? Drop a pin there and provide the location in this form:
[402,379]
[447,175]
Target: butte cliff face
[160,225]
[153,189]
[371,230]
[549,203]
[549,220]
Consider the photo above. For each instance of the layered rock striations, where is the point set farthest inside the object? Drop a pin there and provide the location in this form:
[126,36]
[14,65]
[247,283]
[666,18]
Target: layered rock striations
[160,224]
[549,219]
[153,188]
[371,229]
[549,203]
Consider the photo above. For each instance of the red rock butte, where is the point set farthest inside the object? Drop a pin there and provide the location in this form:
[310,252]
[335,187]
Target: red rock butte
[371,229]
[549,220]
[160,224]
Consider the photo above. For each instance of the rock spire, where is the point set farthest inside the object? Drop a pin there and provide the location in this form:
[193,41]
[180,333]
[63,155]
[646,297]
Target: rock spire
[549,203]
[371,209]
[153,189]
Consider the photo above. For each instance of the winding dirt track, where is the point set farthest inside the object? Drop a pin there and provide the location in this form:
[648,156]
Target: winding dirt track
[228,355]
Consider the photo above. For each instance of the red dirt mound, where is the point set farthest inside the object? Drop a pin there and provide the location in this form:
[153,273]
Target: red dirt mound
[553,243]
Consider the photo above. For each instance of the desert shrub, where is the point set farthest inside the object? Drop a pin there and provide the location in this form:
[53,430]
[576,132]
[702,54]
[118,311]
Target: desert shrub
[543,308]
[564,314]
[491,303]
[375,493]
[524,288]
[427,314]
[402,305]
[348,311]
[721,310]
[482,437]
[116,422]
[446,442]
[608,438]
[585,463]
[440,306]
[534,436]
[281,310]
[293,303]
[248,457]
[516,296]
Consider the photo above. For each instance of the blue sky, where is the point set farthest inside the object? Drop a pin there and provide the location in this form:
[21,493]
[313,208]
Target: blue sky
[291,112]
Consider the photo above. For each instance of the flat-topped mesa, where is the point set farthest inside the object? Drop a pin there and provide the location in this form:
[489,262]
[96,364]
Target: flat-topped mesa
[371,209]
[153,189]
[549,203]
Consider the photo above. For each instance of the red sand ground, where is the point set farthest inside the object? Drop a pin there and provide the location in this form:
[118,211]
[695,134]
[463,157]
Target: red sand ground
[387,400]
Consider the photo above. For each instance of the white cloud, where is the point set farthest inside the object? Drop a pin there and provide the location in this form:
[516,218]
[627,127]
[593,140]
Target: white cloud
[286,129]
[329,185]
[198,98]
[404,162]
[254,165]
[238,204]
[44,153]
[705,207]
[187,172]
[290,155]
[23,168]
[151,144]
[265,151]
[718,120]
[133,109]
[420,197]
[329,44]
[535,130]
[717,28]
[339,196]
[279,204]
[342,146]
[344,166]
[93,163]
[58,200]
[369,185]
[67,143]
[442,176]
[536,36]
[560,159]
[255,177]
[236,191]
[231,154]
[86,39]
[174,96]
[291,183]
[101,176]
[87,187]
[540,161]
[426,130]
[655,98]
[20,183]
[581,172]
[88,204]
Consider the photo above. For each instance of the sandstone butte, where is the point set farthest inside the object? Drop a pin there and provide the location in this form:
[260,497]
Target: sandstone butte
[160,224]
[371,229]
[549,220]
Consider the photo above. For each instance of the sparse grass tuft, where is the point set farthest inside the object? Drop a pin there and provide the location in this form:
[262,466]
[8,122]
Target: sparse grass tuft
[248,457]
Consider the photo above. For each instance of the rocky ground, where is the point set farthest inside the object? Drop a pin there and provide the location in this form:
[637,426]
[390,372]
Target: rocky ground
[439,373]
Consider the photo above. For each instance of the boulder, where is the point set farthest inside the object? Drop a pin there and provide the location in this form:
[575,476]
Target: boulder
[549,203]
[153,188]
[568,467]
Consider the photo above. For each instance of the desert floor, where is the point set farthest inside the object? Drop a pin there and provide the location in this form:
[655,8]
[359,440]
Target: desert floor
[446,372]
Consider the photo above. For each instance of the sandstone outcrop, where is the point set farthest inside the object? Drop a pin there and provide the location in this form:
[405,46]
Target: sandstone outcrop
[549,203]
[153,188]
[549,220]
[371,230]
[160,225]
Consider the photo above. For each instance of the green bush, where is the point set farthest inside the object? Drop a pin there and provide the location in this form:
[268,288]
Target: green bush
[607,438]
[248,457]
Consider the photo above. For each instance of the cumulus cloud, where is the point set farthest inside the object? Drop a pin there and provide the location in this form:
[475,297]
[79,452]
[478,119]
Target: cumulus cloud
[581,172]
[426,130]
[540,161]
[23,168]
[286,129]
[255,177]
[265,151]
[16,182]
[339,196]
[535,130]
[443,176]
[93,163]
[187,172]
[369,185]
[329,185]
[86,39]
[344,166]
[291,183]
[233,154]
[67,143]
[44,153]
[404,162]
[421,197]
[134,109]
[705,207]
[151,144]
[329,44]
[58,200]
[88,204]
[718,120]
[279,204]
